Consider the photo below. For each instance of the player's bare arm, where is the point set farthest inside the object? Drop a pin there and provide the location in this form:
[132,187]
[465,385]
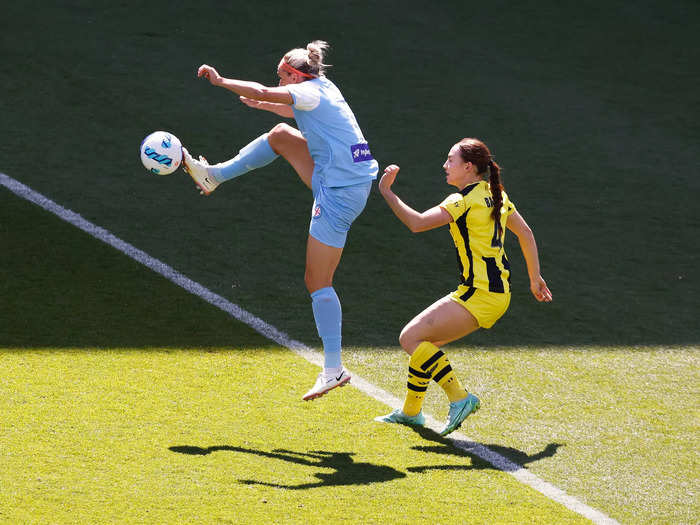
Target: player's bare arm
[526,238]
[414,220]
[244,88]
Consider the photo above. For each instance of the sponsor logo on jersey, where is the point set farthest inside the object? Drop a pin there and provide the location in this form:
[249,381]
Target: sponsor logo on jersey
[317,212]
[360,152]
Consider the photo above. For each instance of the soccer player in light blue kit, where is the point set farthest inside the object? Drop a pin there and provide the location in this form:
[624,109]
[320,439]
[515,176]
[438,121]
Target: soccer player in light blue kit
[330,155]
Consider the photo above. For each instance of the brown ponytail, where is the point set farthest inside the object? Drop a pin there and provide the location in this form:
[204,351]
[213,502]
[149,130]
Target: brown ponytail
[496,193]
[476,152]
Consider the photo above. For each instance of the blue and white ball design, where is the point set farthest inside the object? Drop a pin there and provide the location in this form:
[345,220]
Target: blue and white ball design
[161,153]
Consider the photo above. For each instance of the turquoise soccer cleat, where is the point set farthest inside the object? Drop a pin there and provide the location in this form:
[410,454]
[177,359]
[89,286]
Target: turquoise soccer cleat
[397,416]
[459,410]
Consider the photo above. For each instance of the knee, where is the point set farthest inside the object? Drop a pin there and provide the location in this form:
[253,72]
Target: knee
[407,341]
[278,133]
[314,281]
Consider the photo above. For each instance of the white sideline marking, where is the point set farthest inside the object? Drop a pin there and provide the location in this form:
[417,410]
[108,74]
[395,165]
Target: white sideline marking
[459,440]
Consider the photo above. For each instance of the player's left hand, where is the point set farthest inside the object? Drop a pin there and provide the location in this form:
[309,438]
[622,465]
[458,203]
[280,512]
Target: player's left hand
[251,102]
[539,289]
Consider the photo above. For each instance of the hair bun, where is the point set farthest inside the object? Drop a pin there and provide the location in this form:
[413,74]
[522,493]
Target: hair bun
[317,50]
[310,60]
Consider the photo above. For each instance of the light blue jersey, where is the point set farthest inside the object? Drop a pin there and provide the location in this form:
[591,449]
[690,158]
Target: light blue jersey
[341,154]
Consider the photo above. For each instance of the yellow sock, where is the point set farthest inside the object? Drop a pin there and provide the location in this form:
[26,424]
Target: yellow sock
[447,379]
[429,361]
[418,381]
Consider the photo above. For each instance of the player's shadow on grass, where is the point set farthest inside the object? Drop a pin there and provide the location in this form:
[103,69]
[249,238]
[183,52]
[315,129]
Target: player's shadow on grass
[346,471]
[507,459]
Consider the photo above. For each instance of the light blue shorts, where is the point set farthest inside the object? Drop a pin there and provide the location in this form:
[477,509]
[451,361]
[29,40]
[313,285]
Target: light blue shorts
[335,209]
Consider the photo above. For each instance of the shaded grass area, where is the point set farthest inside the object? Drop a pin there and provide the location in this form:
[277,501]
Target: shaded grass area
[124,435]
[62,288]
[599,153]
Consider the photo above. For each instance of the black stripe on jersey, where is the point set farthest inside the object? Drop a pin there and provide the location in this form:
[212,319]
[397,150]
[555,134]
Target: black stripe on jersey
[464,232]
[469,188]
[415,388]
[437,355]
[466,295]
[495,281]
[506,266]
[442,373]
[417,373]
[460,267]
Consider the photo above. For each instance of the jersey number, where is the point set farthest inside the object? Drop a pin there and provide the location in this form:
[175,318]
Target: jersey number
[496,241]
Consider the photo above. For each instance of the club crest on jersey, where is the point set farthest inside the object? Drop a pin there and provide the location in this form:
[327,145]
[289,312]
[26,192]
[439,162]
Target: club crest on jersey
[316,213]
[360,152]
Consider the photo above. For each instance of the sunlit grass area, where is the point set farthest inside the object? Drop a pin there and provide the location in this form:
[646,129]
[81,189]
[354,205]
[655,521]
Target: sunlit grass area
[126,435]
[607,423]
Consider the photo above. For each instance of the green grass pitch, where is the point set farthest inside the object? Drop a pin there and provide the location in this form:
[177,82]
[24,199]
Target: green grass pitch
[124,399]
[128,435]
[217,431]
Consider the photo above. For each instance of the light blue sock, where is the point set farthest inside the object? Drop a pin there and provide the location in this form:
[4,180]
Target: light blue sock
[257,154]
[329,318]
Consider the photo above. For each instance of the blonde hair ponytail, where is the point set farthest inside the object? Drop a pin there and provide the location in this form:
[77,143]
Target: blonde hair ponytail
[309,60]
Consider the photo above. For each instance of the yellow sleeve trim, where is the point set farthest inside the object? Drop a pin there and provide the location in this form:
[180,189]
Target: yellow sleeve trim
[454,204]
[508,205]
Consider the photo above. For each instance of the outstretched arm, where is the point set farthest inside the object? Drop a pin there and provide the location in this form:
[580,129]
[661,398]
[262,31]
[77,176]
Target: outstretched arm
[254,90]
[519,227]
[414,220]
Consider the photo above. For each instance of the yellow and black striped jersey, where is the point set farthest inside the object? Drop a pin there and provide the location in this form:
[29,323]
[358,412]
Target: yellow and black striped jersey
[480,255]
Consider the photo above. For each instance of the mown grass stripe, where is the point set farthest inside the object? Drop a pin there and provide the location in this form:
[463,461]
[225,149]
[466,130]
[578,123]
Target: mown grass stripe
[459,440]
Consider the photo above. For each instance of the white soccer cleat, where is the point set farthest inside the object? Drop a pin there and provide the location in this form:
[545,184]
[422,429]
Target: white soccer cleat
[325,384]
[197,169]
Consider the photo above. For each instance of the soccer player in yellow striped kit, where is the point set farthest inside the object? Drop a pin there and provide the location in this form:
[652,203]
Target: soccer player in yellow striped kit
[477,216]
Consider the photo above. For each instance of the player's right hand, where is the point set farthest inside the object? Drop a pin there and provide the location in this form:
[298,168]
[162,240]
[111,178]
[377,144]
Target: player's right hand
[390,173]
[211,74]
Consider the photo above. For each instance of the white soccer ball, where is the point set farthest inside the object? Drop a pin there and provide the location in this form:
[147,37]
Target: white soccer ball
[161,153]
